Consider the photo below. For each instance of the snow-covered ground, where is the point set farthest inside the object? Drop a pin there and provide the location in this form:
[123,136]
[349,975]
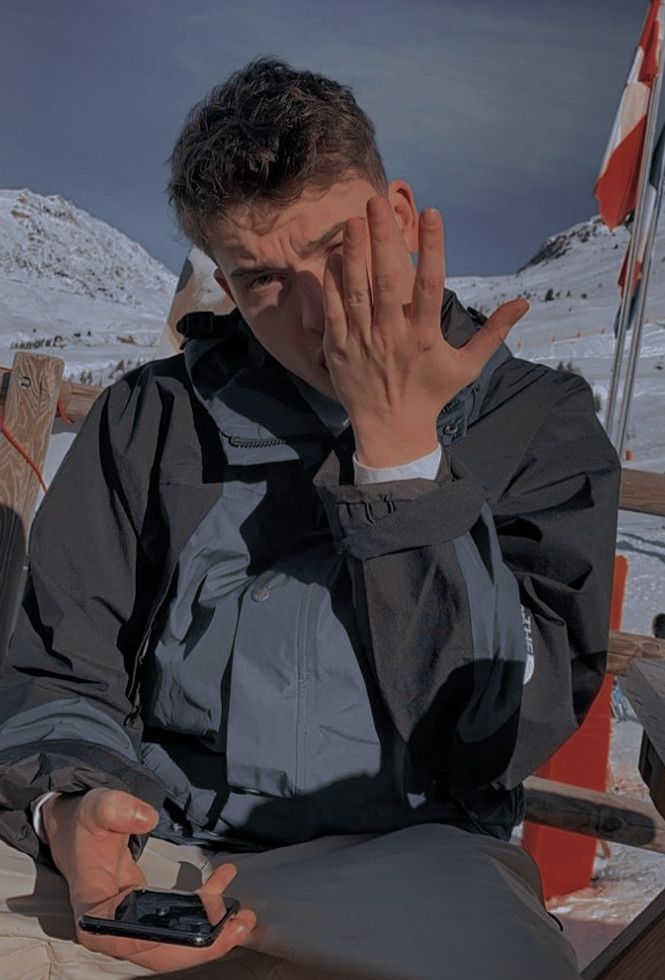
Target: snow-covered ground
[74,286]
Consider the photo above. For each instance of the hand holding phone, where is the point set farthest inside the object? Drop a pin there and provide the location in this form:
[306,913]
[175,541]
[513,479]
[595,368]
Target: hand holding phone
[88,836]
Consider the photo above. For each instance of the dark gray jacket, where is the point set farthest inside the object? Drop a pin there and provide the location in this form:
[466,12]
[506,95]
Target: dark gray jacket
[437,592]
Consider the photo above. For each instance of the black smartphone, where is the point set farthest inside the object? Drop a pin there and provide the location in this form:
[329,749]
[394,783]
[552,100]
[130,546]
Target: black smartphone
[162,915]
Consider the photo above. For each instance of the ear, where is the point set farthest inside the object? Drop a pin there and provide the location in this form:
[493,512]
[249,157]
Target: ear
[404,208]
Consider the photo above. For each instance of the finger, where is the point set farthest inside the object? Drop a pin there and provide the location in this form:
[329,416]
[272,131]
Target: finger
[237,929]
[387,265]
[336,327]
[116,811]
[430,277]
[212,892]
[494,331]
[356,288]
[121,947]
[219,880]
[235,932]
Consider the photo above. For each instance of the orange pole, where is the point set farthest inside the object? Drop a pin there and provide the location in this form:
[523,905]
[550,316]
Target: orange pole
[565,860]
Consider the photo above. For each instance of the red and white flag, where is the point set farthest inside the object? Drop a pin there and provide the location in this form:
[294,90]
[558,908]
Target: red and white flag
[617,185]
[650,214]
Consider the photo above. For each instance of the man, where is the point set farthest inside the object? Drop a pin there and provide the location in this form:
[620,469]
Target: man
[313,598]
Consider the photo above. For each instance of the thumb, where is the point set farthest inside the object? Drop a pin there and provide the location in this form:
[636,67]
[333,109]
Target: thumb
[236,932]
[219,880]
[113,810]
[495,330]
[506,316]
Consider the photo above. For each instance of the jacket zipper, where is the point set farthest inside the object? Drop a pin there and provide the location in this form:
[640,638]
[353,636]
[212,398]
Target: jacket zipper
[134,684]
[240,442]
[132,690]
[254,443]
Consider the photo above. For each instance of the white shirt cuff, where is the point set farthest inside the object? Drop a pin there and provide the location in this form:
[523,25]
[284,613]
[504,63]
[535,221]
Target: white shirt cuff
[424,468]
[36,808]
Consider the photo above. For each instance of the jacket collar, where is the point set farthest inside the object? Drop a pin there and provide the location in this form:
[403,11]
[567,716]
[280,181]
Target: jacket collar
[265,414]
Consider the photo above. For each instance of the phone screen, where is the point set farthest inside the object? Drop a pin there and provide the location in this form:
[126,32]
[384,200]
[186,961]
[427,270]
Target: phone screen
[162,915]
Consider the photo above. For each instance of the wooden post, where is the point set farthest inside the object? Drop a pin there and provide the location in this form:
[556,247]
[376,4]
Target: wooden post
[76,400]
[645,688]
[627,647]
[642,492]
[608,816]
[637,952]
[28,415]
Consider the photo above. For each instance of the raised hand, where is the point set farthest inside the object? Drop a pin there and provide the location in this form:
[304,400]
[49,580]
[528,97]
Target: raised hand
[388,361]
[88,836]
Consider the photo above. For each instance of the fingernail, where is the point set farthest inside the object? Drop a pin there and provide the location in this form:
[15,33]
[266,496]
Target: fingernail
[430,216]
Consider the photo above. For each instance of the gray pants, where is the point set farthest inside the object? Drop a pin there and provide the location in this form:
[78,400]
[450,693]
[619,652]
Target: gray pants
[430,901]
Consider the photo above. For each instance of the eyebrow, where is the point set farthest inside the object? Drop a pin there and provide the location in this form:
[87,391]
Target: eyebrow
[304,253]
[324,239]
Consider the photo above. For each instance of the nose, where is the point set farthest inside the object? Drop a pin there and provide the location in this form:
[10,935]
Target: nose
[309,286]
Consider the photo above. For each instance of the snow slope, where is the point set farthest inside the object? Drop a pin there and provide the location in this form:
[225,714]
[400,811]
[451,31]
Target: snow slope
[73,285]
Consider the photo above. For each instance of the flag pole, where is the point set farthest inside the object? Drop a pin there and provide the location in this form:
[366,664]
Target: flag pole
[620,341]
[631,372]
[633,247]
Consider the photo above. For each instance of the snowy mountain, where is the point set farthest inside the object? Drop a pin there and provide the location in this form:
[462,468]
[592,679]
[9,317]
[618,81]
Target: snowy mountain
[572,287]
[72,284]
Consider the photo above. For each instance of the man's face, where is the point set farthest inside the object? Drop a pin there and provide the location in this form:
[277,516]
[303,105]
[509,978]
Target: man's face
[272,265]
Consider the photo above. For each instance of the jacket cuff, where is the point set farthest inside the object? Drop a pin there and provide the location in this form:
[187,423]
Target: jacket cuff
[382,518]
[36,808]
[136,842]
[425,467]
[67,767]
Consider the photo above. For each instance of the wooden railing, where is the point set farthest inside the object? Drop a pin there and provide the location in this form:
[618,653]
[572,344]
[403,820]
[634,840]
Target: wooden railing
[75,400]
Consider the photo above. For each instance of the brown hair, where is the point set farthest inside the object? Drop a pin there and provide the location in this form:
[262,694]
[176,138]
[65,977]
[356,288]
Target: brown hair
[264,135]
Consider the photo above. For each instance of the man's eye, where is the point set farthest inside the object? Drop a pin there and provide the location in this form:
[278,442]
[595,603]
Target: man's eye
[263,280]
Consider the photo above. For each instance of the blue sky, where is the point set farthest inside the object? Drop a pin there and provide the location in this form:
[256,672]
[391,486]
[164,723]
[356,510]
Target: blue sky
[497,111]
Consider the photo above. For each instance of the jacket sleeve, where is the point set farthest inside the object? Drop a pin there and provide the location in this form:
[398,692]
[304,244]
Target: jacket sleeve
[487,620]
[66,722]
